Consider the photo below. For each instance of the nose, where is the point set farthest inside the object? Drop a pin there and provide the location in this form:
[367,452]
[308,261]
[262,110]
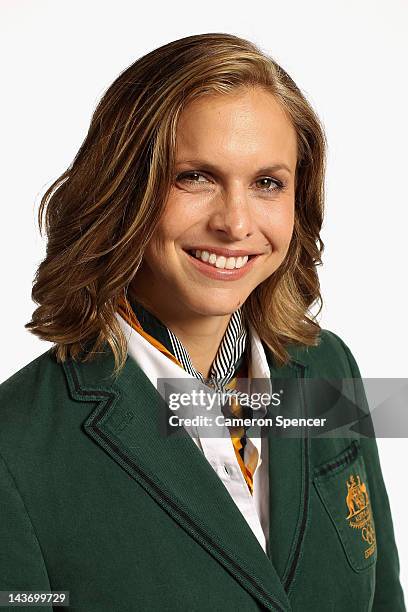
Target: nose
[231,215]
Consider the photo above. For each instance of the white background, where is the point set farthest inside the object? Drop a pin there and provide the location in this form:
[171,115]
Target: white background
[348,57]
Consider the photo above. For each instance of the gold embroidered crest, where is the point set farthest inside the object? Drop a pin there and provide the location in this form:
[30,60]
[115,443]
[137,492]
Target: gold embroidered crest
[360,516]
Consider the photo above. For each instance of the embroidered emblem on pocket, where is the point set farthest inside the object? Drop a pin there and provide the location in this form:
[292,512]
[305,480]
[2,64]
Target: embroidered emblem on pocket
[360,516]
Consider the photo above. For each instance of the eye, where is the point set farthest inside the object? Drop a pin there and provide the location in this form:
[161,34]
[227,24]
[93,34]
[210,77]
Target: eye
[190,177]
[269,184]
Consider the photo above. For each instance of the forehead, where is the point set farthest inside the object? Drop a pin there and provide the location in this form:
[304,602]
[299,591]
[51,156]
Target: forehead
[248,125]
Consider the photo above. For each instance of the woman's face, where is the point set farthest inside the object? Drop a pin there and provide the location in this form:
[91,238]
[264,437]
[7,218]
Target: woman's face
[232,196]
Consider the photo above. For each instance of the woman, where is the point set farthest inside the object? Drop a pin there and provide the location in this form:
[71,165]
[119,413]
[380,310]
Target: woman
[182,244]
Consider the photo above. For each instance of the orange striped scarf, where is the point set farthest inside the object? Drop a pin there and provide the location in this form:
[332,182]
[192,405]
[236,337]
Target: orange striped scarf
[237,433]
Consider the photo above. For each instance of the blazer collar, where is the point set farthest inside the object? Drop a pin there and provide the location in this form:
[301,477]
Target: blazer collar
[125,424]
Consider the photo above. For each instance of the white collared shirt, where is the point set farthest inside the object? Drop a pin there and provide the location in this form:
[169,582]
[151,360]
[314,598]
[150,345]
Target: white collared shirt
[219,451]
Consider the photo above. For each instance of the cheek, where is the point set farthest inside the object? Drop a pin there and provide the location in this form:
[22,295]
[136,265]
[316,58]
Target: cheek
[154,252]
[160,249]
[165,232]
[177,218]
[278,227]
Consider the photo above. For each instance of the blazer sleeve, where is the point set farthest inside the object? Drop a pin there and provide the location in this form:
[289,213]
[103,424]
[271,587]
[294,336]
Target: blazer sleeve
[388,591]
[22,565]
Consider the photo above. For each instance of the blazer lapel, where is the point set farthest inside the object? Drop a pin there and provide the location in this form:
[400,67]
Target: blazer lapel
[125,423]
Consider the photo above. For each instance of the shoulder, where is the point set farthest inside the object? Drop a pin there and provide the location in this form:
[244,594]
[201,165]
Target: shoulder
[331,356]
[35,407]
[42,364]
[22,392]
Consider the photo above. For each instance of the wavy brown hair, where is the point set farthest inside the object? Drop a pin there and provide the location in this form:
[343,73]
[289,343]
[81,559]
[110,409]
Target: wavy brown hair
[101,212]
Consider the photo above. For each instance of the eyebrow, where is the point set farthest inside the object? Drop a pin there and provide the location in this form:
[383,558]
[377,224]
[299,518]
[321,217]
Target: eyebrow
[207,166]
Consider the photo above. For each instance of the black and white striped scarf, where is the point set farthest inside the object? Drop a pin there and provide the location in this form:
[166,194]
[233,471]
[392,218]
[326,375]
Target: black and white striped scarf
[229,357]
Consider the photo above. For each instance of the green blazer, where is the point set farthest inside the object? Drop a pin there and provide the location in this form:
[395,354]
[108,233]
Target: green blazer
[95,500]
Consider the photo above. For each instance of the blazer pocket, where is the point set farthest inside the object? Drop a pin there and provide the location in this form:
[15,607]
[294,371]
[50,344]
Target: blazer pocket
[342,486]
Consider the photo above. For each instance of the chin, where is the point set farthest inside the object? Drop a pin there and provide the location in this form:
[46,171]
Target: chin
[216,306]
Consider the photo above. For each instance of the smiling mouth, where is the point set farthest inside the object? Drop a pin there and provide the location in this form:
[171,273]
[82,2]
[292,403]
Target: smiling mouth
[221,262]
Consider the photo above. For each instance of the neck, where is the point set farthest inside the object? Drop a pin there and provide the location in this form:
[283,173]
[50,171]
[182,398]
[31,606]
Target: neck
[201,335]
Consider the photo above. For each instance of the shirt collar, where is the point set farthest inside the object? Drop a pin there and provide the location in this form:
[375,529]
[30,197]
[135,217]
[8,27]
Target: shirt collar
[156,365]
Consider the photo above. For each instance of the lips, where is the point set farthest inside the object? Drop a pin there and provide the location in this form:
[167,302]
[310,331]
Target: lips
[224,274]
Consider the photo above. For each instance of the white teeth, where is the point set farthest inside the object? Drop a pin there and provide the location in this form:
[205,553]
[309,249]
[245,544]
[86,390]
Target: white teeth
[221,262]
